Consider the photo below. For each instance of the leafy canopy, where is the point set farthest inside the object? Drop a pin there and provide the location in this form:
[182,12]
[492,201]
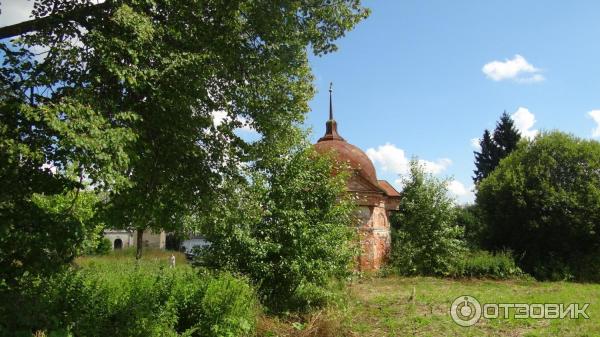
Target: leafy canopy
[425,237]
[288,227]
[121,97]
[543,202]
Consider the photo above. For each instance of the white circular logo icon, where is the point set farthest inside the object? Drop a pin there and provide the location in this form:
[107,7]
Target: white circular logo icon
[465,310]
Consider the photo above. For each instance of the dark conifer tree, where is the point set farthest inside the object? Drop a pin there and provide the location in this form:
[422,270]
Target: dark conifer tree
[484,160]
[493,149]
[506,137]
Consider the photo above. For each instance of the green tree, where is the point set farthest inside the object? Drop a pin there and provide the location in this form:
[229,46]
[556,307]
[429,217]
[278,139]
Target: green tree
[288,227]
[162,69]
[494,148]
[468,217]
[425,237]
[484,160]
[506,137]
[543,203]
[50,156]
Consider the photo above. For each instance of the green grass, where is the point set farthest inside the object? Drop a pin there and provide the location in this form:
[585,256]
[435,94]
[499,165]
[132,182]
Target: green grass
[385,307]
[157,257]
[117,295]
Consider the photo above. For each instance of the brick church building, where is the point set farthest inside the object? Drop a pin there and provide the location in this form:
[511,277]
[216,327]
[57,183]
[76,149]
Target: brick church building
[376,198]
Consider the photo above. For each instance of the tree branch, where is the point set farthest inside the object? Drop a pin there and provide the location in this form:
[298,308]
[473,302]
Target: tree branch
[50,20]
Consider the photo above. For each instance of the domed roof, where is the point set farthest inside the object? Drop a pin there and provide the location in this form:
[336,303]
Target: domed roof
[355,157]
[344,151]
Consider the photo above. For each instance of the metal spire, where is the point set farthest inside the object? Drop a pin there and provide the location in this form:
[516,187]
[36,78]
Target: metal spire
[330,101]
[331,126]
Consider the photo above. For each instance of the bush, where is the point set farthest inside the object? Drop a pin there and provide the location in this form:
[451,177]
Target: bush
[425,237]
[543,203]
[97,246]
[482,263]
[468,217]
[118,299]
[42,232]
[104,247]
[288,230]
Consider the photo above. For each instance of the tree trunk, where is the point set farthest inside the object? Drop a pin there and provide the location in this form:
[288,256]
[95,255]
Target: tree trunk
[139,244]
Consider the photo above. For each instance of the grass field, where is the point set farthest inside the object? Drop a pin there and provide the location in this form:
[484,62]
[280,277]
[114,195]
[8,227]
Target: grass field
[387,307]
[417,306]
[149,255]
[384,307]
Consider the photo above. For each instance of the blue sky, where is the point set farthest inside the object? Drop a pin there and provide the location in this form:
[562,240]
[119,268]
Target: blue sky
[424,78]
[410,80]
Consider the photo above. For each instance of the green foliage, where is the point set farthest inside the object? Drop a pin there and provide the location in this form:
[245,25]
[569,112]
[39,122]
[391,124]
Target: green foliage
[481,263]
[110,298]
[43,232]
[288,228]
[425,237]
[543,203]
[104,247]
[124,97]
[468,217]
[51,152]
[506,137]
[494,148]
[97,244]
[484,159]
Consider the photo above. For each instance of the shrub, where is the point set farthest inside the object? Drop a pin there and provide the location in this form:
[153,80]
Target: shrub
[104,247]
[220,306]
[95,243]
[482,263]
[543,203]
[468,217]
[42,232]
[289,230]
[119,299]
[425,239]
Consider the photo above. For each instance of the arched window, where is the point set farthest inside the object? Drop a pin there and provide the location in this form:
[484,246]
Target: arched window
[118,244]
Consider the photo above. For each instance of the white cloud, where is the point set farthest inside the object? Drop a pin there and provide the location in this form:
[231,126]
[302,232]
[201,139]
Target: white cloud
[524,121]
[517,69]
[393,159]
[595,114]
[531,79]
[460,191]
[437,166]
[475,143]
[457,188]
